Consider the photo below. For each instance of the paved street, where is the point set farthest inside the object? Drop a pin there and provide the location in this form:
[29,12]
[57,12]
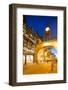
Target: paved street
[40,68]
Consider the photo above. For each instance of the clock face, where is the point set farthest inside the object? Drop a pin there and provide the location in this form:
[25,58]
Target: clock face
[47,29]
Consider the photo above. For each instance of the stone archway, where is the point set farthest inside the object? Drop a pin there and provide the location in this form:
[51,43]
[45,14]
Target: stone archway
[41,54]
[40,50]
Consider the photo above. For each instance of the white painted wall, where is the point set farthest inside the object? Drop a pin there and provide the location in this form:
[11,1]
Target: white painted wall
[4,47]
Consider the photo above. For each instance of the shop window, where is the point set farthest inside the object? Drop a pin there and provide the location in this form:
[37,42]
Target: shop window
[29,58]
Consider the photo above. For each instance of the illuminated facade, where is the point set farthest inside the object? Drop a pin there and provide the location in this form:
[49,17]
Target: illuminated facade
[29,43]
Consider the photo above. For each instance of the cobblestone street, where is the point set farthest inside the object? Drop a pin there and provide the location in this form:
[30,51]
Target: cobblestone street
[40,68]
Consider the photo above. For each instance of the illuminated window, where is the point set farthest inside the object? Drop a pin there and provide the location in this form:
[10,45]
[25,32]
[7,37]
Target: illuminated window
[29,58]
[24,59]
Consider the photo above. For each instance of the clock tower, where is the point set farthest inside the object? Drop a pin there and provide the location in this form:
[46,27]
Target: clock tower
[47,33]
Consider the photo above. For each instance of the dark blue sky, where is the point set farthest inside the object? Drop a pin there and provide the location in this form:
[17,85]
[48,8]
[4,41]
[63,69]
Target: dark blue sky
[38,24]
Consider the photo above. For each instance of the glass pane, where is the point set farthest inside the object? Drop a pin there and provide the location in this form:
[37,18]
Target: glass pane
[29,58]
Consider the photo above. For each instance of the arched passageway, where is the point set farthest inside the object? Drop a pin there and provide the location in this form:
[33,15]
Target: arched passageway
[44,51]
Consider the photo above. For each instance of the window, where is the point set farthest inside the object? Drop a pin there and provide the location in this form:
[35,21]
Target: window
[29,58]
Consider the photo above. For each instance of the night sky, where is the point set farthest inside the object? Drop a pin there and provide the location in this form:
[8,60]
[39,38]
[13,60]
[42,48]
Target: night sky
[38,24]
